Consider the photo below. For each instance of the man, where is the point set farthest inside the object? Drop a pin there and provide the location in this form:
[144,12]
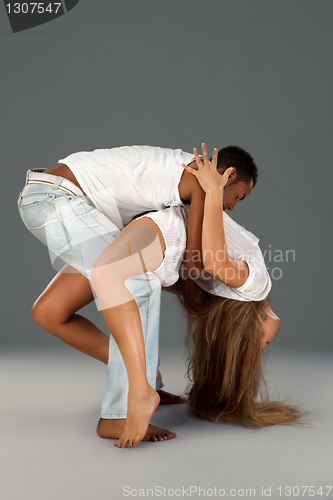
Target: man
[71,292]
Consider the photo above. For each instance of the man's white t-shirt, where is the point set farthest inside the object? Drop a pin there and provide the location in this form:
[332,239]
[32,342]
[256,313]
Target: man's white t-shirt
[126,181]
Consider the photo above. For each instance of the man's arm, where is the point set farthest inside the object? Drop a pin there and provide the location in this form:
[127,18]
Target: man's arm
[193,255]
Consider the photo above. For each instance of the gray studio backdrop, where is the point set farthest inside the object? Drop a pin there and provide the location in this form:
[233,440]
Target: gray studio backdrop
[257,74]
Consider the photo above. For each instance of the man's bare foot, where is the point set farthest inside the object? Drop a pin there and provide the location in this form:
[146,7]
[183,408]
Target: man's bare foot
[140,408]
[166,398]
[113,429]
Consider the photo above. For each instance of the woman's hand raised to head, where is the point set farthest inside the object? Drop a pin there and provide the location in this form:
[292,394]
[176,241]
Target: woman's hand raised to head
[207,174]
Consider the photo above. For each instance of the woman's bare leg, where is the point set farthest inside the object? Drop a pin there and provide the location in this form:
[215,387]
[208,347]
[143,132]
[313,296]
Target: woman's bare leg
[134,251]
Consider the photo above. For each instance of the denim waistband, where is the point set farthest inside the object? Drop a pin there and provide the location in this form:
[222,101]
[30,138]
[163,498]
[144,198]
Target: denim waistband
[38,176]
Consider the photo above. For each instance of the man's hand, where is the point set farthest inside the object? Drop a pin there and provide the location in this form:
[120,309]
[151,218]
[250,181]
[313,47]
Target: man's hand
[207,174]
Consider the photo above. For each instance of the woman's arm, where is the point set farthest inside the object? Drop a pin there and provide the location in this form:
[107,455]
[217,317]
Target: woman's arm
[216,260]
[215,256]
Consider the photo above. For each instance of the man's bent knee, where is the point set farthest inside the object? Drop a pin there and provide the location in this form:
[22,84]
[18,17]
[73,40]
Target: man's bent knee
[38,313]
[43,314]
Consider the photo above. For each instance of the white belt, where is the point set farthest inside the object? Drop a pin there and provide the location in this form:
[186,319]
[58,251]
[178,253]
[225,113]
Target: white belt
[43,178]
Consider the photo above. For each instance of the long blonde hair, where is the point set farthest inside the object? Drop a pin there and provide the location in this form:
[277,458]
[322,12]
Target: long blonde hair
[225,362]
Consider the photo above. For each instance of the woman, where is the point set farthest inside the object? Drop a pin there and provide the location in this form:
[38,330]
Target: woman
[226,337]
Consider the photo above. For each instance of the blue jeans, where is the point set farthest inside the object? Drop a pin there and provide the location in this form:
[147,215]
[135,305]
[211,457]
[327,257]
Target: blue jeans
[76,233]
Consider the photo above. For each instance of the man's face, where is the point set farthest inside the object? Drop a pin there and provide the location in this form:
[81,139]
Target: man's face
[235,191]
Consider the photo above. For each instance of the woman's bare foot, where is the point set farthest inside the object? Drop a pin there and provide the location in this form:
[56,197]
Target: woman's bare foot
[113,429]
[166,398]
[140,408]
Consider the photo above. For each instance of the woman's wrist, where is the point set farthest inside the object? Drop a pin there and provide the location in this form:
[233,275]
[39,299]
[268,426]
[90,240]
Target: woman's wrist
[214,191]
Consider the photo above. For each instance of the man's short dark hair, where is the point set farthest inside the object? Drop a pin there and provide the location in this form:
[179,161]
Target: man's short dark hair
[233,156]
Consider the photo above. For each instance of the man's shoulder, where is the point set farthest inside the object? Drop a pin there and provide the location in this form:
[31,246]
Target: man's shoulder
[189,187]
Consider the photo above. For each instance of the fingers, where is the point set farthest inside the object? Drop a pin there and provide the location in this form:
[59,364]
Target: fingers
[205,156]
[227,174]
[197,157]
[214,158]
[190,169]
[201,165]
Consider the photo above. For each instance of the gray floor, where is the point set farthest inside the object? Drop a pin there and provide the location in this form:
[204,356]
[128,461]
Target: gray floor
[50,451]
